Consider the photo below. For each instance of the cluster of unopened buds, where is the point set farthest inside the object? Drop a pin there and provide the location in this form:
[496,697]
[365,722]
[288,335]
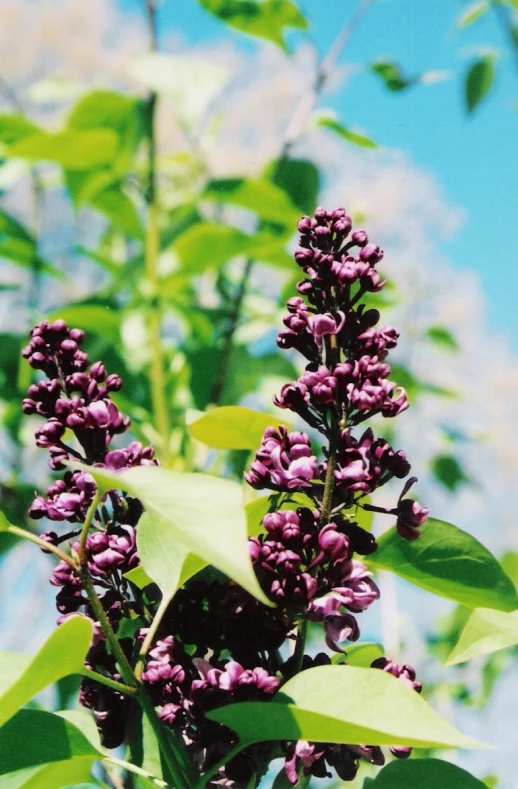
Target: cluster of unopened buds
[216,644]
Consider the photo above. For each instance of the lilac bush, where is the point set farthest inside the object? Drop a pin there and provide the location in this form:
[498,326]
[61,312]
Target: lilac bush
[215,643]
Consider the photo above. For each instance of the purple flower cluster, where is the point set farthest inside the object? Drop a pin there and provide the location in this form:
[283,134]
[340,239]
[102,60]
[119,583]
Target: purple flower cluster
[81,421]
[304,560]
[215,644]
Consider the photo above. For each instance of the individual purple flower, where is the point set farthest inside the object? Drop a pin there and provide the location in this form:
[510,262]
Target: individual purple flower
[405,673]
[301,756]
[67,499]
[410,514]
[113,549]
[284,461]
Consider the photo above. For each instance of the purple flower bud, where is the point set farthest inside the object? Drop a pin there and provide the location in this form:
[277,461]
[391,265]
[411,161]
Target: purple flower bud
[50,434]
[360,238]
[323,325]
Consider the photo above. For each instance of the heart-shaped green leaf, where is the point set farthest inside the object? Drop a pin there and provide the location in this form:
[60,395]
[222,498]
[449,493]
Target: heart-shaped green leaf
[343,704]
[485,631]
[22,678]
[233,427]
[448,562]
[424,774]
[189,513]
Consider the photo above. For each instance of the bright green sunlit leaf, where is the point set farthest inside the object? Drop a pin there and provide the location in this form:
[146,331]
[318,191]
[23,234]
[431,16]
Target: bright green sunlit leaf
[448,562]
[485,631]
[378,709]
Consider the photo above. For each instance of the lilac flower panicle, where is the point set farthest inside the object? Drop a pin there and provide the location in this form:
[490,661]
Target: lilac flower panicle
[309,570]
[216,644]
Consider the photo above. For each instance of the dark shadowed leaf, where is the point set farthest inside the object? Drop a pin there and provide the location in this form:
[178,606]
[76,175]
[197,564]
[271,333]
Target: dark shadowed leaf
[392,76]
[380,710]
[424,774]
[448,562]
[354,137]
[448,471]
[485,631]
[479,80]
[267,19]
[299,178]
[46,738]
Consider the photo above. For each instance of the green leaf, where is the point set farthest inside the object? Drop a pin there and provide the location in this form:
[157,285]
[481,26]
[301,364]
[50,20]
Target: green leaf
[56,775]
[425,774]
[92,318]
[392,76]
[379,710]
[22,678]
[347,134]
[441,336]
[119,209]
[300,179]
[73,149]
[473,13]
[363,655]
[255,512]
[479,80]
[210,246]
[191,83]
[168,564]
[15,127]
[35,737]
[509,563]
[233,427]
[485,631]
[448,471]
[448,562]
[16,243]
[104,109]
[139,577]
[196,513]
[268,201]
[267,19]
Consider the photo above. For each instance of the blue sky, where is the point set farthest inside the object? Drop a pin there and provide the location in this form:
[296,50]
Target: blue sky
[473,158]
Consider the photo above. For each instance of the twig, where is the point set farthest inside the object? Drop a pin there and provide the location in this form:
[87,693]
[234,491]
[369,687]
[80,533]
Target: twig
[294,130]
[152,251]
[218,385]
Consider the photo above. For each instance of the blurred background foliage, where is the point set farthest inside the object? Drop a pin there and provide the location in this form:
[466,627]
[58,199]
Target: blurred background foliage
[150,192]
